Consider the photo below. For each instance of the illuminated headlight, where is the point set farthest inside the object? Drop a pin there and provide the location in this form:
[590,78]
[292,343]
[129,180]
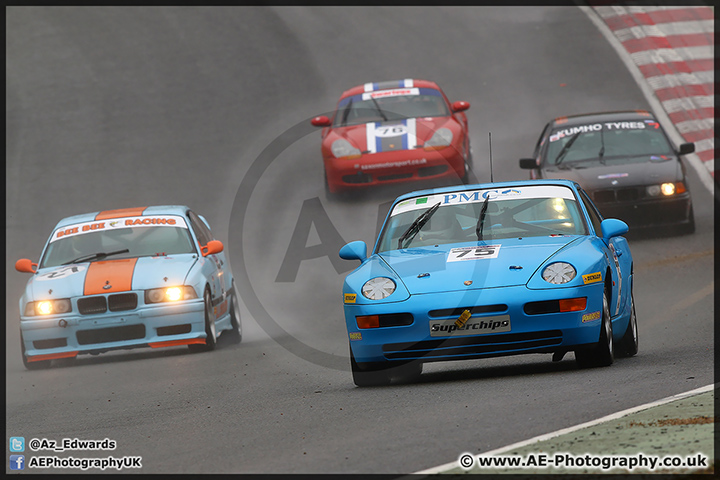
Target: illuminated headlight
[48,307]
[558,273]
[378,288]
[342,148]
[441,138]
[666,189]
[169,294]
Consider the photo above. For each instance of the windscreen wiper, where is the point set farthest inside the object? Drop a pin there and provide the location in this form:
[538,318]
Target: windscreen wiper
[565,148]
[415,227]
[377,107]
[481,219]
[96,256]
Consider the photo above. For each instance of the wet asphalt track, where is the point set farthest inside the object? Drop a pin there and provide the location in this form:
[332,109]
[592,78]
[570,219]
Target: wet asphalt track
[120,107]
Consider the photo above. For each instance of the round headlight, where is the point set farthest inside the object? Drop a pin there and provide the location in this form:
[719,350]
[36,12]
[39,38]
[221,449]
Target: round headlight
[62,306]
[558,273]
[653,190]
[378,288]
[156,295]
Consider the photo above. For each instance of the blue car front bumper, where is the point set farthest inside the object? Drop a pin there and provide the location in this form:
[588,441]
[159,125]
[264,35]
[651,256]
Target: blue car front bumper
[507,327]
[159,325]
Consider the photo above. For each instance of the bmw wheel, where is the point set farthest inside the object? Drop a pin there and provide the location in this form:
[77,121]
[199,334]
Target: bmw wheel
[689,227]
[210,331]
[601,354]
[38,365]
[235,334]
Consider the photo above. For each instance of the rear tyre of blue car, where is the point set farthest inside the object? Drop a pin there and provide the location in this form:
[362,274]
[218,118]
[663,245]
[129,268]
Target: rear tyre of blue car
[601,354]
[371,374]
[628,346]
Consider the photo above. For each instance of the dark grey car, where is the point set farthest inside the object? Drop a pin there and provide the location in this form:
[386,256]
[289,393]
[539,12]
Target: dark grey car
[624,160]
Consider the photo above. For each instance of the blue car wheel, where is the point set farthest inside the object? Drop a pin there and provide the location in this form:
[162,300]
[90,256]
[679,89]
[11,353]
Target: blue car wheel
[38,365]
[601,354]
[628,346]
[210,331]
[235,334]
[370,374]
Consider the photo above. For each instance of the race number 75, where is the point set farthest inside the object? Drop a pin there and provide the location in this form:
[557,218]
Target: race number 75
[473,253]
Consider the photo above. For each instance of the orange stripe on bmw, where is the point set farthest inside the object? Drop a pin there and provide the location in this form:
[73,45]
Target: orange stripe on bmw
[122,212]
[175,343]
[51,356]
[110,276]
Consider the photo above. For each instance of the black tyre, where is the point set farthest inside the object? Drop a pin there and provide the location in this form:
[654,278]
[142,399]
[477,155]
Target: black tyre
[689,227]
[39,365]
[235,335]
[406,373]
[369,374]
[601,354]
[328,194]
[628,346]
[210,340]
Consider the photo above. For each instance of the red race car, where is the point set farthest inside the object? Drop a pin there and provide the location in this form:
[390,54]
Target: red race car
[394,131]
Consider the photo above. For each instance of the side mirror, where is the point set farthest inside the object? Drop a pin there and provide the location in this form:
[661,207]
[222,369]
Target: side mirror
[460,106]
[356,250]
[612,227]
[528,163]
[686,148]
[212,247]
[321,121]
[25,265]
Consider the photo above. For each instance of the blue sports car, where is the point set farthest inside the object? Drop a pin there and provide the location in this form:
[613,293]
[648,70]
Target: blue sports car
[477,271]
[120,279]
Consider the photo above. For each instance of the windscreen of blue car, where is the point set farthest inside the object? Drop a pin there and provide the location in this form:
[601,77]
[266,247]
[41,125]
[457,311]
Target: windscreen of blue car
[612,142]
[532,212]
[71,243]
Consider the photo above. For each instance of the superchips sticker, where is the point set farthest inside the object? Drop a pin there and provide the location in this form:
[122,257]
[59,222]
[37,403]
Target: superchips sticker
[589,317]
[592,278]
[350,297]
[355,336]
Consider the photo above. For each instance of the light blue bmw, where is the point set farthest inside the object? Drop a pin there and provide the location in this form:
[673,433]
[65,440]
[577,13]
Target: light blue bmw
[477,271]
[120,279]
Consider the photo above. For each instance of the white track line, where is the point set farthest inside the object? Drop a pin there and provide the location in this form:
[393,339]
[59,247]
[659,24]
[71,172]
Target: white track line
[548,436]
